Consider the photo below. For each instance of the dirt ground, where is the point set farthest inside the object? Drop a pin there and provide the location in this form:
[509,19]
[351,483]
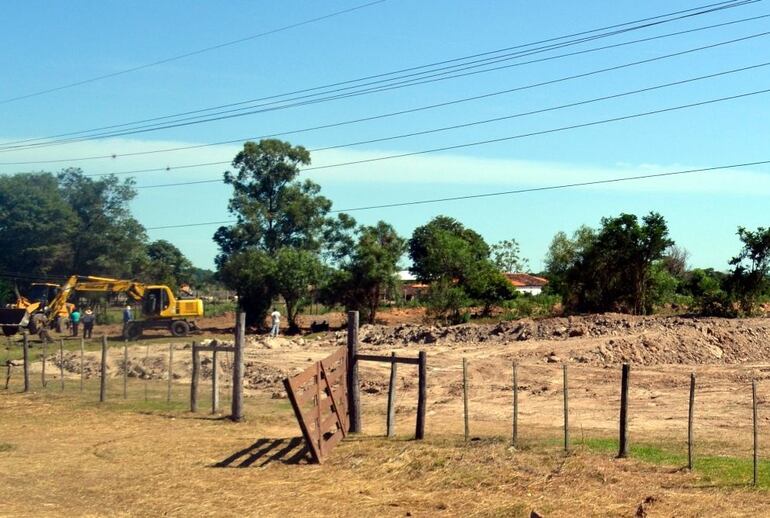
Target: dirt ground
[64,454]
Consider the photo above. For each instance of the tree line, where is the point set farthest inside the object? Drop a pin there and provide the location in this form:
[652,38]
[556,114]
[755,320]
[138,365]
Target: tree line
[57,225]
[286,244]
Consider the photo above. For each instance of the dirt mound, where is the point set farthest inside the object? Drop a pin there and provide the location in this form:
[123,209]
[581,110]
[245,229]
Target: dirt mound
[602,339]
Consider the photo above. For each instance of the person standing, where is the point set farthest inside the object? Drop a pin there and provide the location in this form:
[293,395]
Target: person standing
[75,319]
[88,320]
[276,318]
[127,317]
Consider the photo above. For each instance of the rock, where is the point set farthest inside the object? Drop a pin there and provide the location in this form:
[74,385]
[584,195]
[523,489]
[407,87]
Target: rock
[552,358]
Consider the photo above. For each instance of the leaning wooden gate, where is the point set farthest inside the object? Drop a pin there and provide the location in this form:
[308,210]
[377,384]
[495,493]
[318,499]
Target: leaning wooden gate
[319,396]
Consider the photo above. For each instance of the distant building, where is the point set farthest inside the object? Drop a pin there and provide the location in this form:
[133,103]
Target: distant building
[526,283]
[410,286]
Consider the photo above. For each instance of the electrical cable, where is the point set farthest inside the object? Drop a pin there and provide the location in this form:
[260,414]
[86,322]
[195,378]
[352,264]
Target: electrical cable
[468,144]
[504,193]
[189,54]
[392,114]
[266,107]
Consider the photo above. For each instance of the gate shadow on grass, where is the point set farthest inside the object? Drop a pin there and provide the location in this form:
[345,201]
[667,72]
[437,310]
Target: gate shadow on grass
[266,451]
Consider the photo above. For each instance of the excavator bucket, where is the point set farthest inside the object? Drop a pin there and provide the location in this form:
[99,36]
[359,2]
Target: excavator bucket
[12,319]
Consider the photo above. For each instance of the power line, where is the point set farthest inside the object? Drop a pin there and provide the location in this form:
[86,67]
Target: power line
[308,99]
[189,54]
[396,113]
[490,141]
[503,193]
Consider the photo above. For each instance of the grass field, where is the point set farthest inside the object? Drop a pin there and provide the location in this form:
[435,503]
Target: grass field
[61,454]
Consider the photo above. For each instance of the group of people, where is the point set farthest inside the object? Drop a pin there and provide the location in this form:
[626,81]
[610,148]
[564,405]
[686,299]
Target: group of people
[87,318]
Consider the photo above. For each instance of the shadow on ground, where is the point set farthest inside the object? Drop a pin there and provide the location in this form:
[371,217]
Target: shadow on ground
[266,451]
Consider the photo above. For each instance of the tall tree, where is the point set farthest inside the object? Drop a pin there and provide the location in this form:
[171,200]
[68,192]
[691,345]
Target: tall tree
[614,272]
[273,211]
[107,240]
[167,264]
[455,258]
[36,225]
[748,278]
[297,272]
[506,255]
[368,271]
[563,253]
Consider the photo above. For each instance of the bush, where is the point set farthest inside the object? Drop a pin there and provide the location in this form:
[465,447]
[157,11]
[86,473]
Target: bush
[527,305]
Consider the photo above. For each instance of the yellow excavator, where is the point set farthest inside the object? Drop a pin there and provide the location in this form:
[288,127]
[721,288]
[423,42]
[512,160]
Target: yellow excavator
[160,308]
[37,297]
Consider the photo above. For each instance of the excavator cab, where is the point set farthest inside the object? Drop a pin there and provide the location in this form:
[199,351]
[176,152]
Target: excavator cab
[155,302]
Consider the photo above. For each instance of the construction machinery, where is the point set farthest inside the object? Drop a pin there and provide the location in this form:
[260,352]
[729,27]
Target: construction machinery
[36,298]
[160,309]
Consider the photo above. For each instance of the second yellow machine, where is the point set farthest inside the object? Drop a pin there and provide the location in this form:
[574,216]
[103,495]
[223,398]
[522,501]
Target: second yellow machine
[160,308]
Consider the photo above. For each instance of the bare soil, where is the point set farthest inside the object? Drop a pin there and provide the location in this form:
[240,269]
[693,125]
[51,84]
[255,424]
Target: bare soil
[99,461]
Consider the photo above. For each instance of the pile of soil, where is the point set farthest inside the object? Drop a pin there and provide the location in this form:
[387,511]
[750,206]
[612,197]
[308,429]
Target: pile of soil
[602,339]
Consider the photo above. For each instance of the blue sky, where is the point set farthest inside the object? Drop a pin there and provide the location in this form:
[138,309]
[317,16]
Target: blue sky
[48,44]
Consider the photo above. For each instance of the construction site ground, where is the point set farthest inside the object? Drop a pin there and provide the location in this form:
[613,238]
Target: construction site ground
[63,453]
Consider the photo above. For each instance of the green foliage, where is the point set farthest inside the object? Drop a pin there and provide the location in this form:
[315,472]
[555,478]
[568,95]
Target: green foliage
[106,239]
[530,306]
[447,302]
[444,248]
[563,253]
[663,285]
[705,287]
[167,265]
[455,260]
[251,273]
[614,273]
[748,278]
[296,272]
[36,225]
[6,293]
[274,211]
[506,256]
[368,272]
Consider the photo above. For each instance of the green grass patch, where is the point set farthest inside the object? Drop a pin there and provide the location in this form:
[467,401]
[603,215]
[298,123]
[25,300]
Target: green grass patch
[4,446]
[719,470]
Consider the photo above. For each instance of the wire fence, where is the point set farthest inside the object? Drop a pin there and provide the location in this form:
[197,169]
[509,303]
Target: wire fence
[145,375]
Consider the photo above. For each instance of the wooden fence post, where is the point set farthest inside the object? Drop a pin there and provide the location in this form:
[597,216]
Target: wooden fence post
[45,353]
[566,409]
[9,367]
[465,400]
[214,382]
[170,372]
[196,367]
[147,378]
[125,369]
[690,415]
[515,431]
[422,395]
[354,390]
[756,434]
[103,372]
[82,354]
[61,363]
[623,440]
[25,352]
[391,422]
[240,338]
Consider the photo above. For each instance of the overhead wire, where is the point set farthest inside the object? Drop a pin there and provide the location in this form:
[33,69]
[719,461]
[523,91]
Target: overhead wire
[303,100]
[189,54]
[400,112]
[504,193]
[467,144]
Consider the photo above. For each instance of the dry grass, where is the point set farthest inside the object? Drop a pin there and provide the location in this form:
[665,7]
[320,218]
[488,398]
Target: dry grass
[60,456]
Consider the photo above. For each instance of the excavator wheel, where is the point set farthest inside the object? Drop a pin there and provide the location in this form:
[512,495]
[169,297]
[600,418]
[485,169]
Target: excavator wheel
[180,328]
[132,331]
